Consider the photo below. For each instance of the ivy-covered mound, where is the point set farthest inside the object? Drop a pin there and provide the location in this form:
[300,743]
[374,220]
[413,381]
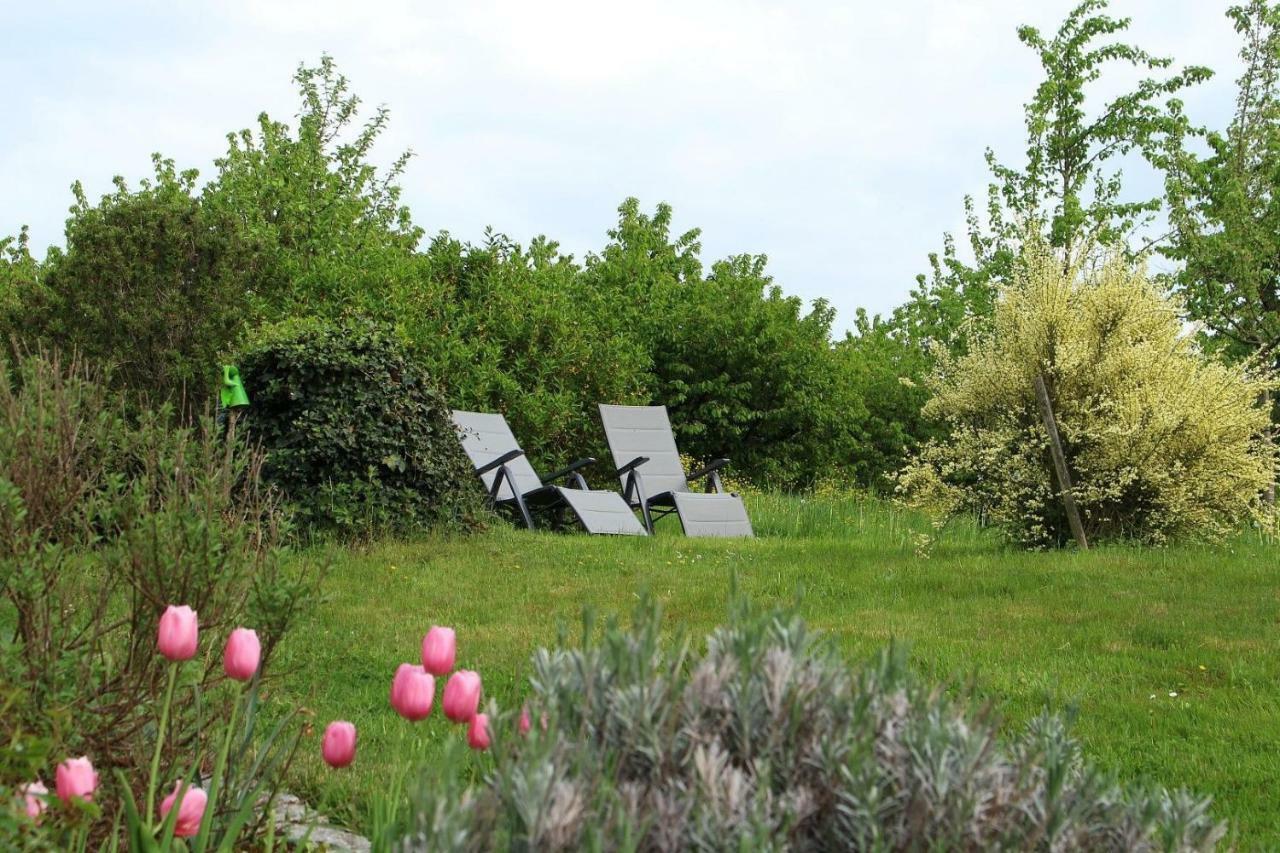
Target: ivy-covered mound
[357,435]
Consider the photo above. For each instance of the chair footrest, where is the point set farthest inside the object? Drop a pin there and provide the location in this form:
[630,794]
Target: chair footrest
[603,512]
[712,514]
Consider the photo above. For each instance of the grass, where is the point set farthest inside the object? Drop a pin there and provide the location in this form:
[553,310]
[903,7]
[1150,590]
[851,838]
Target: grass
[1169,656]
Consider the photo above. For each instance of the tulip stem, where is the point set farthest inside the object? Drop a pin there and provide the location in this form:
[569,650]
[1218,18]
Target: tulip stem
[164,723]
[220,768]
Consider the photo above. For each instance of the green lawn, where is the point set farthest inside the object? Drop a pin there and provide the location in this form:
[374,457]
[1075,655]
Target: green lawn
[1171,656]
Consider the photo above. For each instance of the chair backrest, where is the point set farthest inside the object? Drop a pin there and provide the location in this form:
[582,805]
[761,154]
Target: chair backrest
[485,437]
[645,431]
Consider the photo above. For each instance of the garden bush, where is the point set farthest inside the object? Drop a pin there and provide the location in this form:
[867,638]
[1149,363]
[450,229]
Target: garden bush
[357,436]
[1161,440]
[104,519]
[154,282]
[768,741]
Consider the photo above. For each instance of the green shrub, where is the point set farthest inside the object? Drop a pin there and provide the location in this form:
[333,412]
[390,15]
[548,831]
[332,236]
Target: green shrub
[357,436]
[1161,440]
[154,283]
[104,520]
[768,741]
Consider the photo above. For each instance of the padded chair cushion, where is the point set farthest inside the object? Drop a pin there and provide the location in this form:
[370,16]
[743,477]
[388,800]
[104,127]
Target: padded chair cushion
[645,431]
[485,437]
[712,515]
[603,512]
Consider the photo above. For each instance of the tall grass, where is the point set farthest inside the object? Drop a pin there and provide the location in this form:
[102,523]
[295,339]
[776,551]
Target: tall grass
[867,521]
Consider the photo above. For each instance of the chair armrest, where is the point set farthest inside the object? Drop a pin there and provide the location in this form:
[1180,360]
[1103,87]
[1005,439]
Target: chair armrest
[710,468]
[632,465]
[569,469]
[500,461]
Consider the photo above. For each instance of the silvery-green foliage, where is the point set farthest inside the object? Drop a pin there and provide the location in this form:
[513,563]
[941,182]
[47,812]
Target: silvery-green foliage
[768,740]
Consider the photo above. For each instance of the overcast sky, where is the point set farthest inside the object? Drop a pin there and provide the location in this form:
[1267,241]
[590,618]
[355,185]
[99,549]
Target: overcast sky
[837,138]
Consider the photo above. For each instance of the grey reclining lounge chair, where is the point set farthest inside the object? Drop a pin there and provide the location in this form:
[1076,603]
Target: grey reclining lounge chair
[511,480]
[653,480]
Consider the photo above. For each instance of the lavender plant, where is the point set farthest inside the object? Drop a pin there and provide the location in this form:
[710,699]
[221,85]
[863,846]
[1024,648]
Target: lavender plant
[768,740]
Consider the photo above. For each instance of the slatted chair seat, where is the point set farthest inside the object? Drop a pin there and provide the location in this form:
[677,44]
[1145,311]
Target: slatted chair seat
[654,480]
[512,482]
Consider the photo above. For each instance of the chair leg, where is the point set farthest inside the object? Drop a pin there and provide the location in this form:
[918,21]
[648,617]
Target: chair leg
[648,516]
[524,510]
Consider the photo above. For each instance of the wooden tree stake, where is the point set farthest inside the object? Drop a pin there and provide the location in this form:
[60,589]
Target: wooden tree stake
[1060,463]
[1269,494]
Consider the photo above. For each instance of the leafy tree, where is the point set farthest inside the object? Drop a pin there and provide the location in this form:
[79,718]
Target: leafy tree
[518,330]
[644,269]
[1067,189]
[153,281]
[744,370]
[1225,207]
[19,279]
[335,231]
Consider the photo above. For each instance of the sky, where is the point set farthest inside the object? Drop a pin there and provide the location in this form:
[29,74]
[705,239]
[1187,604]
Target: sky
[837,138]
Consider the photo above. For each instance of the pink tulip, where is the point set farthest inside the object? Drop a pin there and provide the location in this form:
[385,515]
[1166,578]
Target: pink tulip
[524,725]
[190,810]
[76,780]
[478,733]
[35,798]
[412,692]
[179,631]
[439,648]
[243,653]
[462,696]
[339,744]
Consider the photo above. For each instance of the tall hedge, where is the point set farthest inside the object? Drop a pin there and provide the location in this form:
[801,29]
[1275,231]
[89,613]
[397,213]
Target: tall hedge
[357,435]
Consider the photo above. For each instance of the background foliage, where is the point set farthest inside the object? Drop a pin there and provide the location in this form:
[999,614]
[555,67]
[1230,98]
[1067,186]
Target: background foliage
[165,281]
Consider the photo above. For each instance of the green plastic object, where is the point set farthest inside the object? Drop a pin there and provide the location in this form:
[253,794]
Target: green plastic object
[233,394]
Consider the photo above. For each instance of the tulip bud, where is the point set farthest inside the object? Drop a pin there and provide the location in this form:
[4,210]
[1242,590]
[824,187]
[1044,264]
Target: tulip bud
[179,631]
[76,780]
[439,648]
[413,691]
[524,725]
[462,696]
[478,732]
[339,743]
[243,653]
[190,810]
[35,799]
